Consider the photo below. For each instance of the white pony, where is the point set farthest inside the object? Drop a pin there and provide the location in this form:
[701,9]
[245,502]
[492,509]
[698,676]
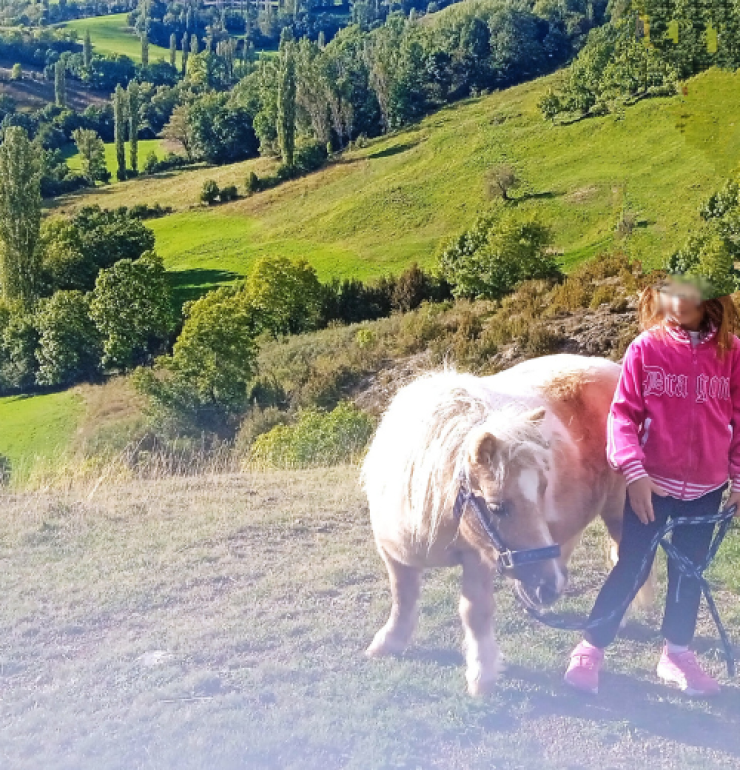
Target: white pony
[463,468]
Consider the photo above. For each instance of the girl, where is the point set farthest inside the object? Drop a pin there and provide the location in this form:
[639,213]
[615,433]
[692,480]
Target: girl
[674,433]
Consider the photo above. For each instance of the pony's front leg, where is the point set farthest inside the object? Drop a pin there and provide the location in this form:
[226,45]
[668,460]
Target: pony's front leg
[482,655]
[395,635]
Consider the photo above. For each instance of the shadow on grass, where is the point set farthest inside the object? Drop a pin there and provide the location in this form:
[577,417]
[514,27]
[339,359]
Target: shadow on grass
[188,285]
[446,658]
[642,706]
[390,151]
[535,196]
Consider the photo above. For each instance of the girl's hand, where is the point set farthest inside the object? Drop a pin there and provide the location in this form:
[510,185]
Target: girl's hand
[734,499]
[641,494]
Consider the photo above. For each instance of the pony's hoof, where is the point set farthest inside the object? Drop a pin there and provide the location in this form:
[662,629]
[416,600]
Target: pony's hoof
[382,646]
[481,688]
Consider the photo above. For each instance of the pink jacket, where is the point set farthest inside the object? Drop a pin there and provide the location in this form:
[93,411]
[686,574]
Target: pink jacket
[676,412]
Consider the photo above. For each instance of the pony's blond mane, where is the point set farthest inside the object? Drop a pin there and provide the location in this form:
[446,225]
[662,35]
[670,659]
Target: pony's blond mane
[421,447]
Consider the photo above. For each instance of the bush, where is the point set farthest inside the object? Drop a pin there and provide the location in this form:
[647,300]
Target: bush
[316,439]
[499,252]
[17,72]
[227,194]
[145,211]
[156,165]
[209,192]
[252,184]
[150,163]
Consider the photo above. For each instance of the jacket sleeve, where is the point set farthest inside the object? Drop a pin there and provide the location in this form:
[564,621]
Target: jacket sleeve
[626,416]
[734,470]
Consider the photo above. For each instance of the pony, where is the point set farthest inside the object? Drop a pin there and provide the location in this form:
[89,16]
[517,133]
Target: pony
[462,468]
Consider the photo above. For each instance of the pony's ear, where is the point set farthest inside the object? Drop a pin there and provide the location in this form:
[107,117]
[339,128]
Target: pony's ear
[536,415]
[483,448]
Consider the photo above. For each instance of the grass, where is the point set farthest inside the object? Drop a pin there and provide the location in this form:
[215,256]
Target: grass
[111,34]
[395,201]
[146,146]
[37,430]
[219,621]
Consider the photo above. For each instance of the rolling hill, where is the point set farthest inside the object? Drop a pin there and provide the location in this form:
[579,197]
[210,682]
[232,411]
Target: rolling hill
[376,209]
[111,34]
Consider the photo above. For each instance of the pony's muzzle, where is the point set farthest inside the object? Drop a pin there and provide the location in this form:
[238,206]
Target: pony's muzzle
[543,585]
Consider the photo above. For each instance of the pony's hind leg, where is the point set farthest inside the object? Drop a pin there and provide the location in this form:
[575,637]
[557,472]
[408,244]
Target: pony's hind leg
[395,635]
[482,655]
[612,514]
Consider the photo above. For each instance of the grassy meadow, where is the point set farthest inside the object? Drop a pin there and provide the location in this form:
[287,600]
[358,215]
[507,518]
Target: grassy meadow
[38,429]
[111,34]
[146,146]
[219,622]
[378,208]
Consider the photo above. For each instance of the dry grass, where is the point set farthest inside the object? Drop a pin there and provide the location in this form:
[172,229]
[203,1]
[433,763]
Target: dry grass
[218,621]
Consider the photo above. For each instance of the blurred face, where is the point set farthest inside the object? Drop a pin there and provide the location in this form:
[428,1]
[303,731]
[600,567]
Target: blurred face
[682,305]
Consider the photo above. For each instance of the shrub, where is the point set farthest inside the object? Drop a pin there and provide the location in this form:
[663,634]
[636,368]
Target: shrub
[540,340]
[17,72]
[316,439]
[252,184]
[606,294]
[500,251]
[209,192]
[156,165]
[228,193]
[258,422]
[150,163]
[145,211]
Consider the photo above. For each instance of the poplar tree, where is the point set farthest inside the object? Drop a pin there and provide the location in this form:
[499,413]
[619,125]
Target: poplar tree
[87,49]
[144,50]
[20,217]
[173,50]
[286,97]
[185,51]
[119,130]
[133,131]
[60,83]
[194,47]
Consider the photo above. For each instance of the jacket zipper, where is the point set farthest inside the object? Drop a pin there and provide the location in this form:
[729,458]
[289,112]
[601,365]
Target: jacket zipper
[692,419]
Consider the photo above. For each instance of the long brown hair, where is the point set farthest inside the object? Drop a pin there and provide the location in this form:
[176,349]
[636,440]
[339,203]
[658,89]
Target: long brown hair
[720,313]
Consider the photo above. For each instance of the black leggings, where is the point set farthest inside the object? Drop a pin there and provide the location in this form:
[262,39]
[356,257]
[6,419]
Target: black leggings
[684,594]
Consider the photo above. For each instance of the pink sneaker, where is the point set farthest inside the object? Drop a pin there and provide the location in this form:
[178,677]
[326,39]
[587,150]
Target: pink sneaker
[583,671]
[683,669]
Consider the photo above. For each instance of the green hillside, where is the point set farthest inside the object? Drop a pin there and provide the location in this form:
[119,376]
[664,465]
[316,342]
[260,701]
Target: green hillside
[111,35]
[146,146]
[380,207]
[394,201]
[37,429]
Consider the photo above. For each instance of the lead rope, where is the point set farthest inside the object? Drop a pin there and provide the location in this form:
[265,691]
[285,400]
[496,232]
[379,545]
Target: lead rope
[686,567]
